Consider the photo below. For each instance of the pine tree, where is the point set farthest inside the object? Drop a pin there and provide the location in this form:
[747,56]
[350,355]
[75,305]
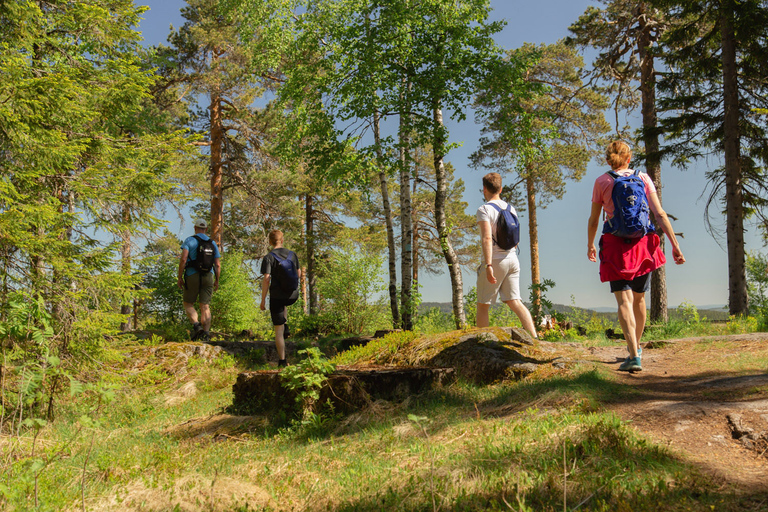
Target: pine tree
[716,67]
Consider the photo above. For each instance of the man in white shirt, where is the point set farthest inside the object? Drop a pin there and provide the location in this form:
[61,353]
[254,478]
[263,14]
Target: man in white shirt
[499,273]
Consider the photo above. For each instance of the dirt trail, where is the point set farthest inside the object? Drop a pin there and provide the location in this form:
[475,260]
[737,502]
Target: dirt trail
[689,399]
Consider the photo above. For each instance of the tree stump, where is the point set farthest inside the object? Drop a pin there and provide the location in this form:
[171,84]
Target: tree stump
[347,389]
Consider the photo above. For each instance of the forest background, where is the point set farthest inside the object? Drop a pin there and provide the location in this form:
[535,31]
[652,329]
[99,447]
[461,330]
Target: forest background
[347,124]
[547,22]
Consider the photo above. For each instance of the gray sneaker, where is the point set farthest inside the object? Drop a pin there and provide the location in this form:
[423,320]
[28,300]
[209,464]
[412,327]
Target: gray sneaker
[631,364]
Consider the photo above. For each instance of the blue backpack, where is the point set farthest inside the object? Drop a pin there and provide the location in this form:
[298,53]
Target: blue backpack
[287,276]
[507,228]
[631,213]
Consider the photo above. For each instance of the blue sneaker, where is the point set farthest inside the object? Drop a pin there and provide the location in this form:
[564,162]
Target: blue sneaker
[631,364]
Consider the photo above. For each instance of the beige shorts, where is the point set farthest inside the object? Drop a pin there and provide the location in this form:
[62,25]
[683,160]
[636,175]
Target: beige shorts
[507,286]
[199,286]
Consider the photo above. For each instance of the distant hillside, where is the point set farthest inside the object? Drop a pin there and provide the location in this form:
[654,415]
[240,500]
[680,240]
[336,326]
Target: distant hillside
[710,312]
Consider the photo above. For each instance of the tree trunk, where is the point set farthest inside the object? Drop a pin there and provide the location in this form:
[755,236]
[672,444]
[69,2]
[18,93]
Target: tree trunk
[441,194]
[312,297]
[125,258]
[406,221]
[533,233]
[415,238]
[737,281]
[217,145]
[652,157]
[392,253]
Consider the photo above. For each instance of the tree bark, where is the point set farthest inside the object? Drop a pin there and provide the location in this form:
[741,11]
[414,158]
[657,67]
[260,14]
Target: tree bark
[734,197]
[391,249]
[645,41]
[406,219]
[533,233]
[311,297]
[217,146]
[125,258]
[441,194]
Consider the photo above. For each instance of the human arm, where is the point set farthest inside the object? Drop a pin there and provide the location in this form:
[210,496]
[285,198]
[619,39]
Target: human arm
[486,242]
[216,272]
[666,227]
[182,266]
[264,291]
[592,225]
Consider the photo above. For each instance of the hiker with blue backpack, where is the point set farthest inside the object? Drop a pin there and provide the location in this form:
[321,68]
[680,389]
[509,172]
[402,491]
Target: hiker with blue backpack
[629,246]
[281,271]
[499,274]
[198,277]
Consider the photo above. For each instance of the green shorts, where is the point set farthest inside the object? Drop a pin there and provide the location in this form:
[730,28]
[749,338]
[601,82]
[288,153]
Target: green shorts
[197,285]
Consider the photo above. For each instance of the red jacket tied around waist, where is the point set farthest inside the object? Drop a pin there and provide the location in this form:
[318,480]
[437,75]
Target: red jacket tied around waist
[628,258]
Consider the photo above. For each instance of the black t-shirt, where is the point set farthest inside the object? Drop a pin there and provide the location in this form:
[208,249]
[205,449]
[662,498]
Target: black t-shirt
[268,265]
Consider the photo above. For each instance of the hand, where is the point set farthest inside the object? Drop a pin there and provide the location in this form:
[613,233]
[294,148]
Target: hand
[180,283]
[592,253]
[263,306]
[677,254]
[489,274]
[216,284]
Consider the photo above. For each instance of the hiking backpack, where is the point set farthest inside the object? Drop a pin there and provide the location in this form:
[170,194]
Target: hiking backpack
[507,228]
[287,276]
[206,254]
[631,213]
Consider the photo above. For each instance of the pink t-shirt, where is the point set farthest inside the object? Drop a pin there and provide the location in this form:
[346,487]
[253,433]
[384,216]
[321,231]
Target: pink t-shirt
[601,192]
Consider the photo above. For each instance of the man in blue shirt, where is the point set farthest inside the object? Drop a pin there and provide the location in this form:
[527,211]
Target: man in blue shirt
[199,282]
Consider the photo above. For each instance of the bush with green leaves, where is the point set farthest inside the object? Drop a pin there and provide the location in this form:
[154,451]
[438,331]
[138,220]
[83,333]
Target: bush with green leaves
[307,377]
[351,292]
[757,284]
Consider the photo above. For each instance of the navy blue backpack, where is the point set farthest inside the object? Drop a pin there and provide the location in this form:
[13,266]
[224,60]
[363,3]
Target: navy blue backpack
[631,213]
[507,228]
[287,277]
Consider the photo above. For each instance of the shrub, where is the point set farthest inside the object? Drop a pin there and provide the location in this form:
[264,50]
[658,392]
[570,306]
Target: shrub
[350,290]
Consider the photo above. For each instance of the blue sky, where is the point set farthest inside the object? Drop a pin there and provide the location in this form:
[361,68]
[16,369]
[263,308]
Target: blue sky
[703,280]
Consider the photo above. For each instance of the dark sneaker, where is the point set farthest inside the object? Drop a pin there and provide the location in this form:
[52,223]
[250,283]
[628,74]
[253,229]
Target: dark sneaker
[282,363]
[197,330]
[286,331]
[631,364]
[205,336]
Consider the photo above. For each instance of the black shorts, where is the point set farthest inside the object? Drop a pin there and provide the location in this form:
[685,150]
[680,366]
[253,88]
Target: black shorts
[640,284]
[277,310]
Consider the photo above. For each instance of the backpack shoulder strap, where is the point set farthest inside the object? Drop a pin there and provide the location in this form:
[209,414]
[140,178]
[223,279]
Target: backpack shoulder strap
[498,208]
[636,173]
[274,255]
[613,174]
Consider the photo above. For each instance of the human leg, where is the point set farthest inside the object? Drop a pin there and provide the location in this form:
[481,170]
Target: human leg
[625,301]
[483,317]
[486,293]
[277,310]
[640,313]
[191,312]
[524,315]
[205,316]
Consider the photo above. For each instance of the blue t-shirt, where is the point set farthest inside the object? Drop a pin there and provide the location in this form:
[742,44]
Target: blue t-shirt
[190,244]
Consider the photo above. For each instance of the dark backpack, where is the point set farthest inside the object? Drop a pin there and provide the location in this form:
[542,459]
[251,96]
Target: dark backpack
[507,228]
[206,254]
[631,213]
[287,276]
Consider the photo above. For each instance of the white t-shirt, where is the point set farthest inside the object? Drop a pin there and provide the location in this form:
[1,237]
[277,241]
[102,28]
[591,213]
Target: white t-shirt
[490,214]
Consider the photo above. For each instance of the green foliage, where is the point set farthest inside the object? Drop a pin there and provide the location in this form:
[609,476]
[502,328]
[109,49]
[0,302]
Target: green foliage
[757,285]
[433,321]
[377,350]
[544,306]
[350,291]
[234,306]
[307,378]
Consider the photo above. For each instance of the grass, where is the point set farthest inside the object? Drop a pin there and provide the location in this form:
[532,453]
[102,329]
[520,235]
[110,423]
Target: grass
[545,444]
